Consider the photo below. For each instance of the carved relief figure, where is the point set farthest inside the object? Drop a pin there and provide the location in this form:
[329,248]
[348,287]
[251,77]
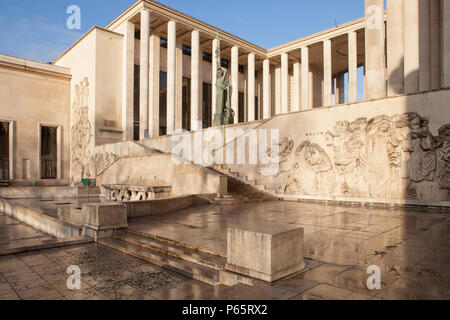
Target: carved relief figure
[443,158]
[383,158]
[347,142]
[312,171]
[81,130]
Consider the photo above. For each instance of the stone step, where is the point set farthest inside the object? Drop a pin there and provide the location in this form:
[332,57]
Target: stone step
[164,248]
[183,267]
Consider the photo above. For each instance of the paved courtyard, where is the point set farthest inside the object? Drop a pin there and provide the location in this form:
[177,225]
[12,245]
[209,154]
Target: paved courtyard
[411,248]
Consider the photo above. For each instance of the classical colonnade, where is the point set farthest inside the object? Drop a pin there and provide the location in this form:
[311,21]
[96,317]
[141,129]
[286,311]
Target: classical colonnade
[413,58]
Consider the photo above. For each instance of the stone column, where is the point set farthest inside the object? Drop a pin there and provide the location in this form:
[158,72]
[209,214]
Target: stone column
[235,82]
[445,36]
[155,47]
[284,83]
[196,83]
[340,88]
[267,90]
[327,74]
[424,46]
[352,67]
[215,60]
[277,82]
[171,75]
[411,38]
[375,49]
[296,87]
[395,49]
[179,87]
[305,79]
[435,69]
[144,73]
[251,87]
[128,81]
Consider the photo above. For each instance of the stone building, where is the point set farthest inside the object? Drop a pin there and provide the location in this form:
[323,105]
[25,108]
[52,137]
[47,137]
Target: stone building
[118,102]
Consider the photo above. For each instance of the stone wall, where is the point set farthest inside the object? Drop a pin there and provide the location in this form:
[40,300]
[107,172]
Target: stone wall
[388,150]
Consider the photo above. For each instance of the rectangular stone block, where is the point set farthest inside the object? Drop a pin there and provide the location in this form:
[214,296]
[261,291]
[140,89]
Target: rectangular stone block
[265,251]
[105,216]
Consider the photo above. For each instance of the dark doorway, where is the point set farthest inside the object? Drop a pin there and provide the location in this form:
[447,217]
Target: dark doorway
[256,108]
[207,105]
[137,100]
[241,117]
[48,152]
[186,104]
[163,103]
[4,150]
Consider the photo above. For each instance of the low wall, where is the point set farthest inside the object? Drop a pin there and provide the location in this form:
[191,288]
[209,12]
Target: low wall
[48,192]
[162,170]
[39,221]
[137,209]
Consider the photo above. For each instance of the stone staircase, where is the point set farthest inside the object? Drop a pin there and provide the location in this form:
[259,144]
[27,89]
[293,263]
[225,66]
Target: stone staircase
[191,262]
[240,187]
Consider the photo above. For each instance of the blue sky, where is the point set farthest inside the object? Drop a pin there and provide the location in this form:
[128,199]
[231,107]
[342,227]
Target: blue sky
[36,29]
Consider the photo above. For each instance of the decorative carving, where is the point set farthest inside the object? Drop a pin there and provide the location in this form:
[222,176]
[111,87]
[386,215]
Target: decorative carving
[443,158]
[104,160]
[383,158]
[122,193]
[82,156]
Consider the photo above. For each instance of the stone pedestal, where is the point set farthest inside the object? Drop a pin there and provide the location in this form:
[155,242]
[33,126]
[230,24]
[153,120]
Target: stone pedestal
[265,251]
[101,219]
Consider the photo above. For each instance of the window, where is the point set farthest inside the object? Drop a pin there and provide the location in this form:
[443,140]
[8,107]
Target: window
[225,63]
[256,108]
[241,117]
[163,104]
[186,116]
[4,150]
[207,57]
[48,152]
[187,50]
[207,105]
[136,103]
[163,42]
[241,68]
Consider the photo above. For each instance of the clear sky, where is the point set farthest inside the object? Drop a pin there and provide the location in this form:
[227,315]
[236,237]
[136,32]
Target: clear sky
[36,29]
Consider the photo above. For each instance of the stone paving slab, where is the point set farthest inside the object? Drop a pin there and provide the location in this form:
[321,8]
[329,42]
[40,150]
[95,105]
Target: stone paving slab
[411,248]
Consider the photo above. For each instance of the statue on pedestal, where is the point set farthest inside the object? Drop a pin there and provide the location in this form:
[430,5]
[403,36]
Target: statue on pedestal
[224,113]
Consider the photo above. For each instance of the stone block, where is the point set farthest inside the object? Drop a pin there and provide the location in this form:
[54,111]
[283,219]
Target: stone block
[265,251]
[100,218]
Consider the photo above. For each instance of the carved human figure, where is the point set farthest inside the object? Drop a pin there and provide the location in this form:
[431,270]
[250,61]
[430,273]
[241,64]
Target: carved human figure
[381,140]
[443,158]
[347,141]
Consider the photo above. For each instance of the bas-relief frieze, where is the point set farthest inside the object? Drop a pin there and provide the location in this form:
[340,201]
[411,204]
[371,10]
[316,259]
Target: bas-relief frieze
[383,158]
[82,156]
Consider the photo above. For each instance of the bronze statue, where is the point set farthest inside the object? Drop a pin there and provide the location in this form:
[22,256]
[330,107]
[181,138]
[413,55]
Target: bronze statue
[224,113]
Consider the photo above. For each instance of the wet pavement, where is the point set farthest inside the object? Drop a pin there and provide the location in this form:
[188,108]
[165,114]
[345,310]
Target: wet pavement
[412,249]
[15,233]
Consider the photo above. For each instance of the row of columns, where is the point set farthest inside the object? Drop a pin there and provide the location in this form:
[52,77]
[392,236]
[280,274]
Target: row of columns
[149,80]
[418,39]
[417,60]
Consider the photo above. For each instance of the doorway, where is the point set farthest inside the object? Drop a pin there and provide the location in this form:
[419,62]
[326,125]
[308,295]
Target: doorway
[49,152]
[4,150]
